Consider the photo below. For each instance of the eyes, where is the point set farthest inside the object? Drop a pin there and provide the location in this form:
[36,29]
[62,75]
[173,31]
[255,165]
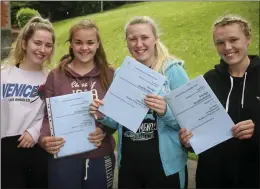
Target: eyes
[231,40]
[134,39]
[78,42]
[40,43]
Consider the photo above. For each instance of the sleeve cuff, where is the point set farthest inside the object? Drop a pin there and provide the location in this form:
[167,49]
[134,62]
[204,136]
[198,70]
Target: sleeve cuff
[34,133]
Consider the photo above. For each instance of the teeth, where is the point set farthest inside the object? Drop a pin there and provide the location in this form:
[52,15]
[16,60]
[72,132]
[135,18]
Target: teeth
[40,56]
[140,51]
[84,54]
[230,54]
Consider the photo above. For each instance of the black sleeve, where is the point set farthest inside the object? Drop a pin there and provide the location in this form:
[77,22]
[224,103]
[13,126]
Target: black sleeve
[256,130]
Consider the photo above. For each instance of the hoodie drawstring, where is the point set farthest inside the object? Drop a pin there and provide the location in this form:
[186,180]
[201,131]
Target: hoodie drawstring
[243,92]
[227,103]
[86,169]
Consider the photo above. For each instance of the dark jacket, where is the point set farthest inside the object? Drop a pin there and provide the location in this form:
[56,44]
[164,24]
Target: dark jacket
[234,163]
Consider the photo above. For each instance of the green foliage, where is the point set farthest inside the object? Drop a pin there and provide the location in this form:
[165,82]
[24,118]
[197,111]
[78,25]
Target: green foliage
[59,10]
[24,15]
[15,6]
[192,156]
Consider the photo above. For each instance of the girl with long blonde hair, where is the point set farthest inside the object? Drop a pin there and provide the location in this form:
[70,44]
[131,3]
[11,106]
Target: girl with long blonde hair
[24,162]
[153,157]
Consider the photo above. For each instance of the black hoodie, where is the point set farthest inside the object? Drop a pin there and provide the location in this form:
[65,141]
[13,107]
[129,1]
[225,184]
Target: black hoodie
[234,163]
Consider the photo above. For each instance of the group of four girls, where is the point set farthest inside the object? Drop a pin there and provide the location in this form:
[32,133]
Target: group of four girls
[158,161]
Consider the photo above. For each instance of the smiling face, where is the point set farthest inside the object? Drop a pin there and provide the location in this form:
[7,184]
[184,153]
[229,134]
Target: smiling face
[84,44]
[39,47]
[141,43]
[231,43]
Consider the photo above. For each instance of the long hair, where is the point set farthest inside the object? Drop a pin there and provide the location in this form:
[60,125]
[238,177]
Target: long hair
[99,58]
[17,53]
[161,52]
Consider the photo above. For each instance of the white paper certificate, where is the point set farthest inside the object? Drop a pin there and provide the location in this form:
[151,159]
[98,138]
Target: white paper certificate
[197,108]
[124,101]
[69,118]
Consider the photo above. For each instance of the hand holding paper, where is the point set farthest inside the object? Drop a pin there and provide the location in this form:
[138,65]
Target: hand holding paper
[69,118]
[197,109]
[52,144]
[156,103]
[125,97]
[97,137]
[93,108]
[185,136]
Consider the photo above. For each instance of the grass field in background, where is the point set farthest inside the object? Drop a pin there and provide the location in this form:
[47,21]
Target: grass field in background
[185,29]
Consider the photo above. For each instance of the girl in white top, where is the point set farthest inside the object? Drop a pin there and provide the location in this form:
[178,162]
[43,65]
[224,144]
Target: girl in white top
[24,163]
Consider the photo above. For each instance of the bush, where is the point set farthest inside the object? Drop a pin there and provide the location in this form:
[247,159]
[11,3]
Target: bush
[15,7]
[24,15]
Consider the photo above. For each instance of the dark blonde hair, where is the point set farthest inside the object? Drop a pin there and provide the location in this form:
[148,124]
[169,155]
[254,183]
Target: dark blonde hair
[231,19]
[17,54]
[100,59]
[161,52]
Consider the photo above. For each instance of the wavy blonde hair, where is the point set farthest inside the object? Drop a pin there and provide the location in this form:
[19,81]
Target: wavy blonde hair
[17,53]
[162,54]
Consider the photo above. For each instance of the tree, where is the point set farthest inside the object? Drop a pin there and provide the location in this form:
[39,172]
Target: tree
[59,10]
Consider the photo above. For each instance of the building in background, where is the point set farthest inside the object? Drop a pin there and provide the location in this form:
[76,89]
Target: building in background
[6,32]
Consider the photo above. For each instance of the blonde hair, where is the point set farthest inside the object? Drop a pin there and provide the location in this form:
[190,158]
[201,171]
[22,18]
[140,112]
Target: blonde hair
[162,54]
[231,19]
[17,53]
[106,75]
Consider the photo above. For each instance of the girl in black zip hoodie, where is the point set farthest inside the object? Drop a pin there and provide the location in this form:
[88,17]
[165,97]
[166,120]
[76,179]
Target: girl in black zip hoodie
[236,82]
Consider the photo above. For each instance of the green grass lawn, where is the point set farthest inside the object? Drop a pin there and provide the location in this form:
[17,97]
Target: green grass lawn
[185,29]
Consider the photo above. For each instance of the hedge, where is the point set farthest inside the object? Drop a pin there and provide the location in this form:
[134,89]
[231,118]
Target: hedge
[24,15]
